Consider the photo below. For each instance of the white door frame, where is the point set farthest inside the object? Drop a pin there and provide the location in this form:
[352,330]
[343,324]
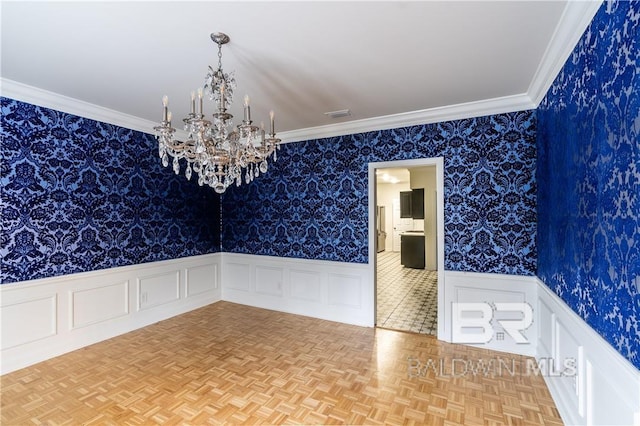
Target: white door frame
[439,163]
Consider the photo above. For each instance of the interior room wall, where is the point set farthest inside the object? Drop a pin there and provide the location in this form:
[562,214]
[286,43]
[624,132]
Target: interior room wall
[588,171]
[313,203]
[77,195]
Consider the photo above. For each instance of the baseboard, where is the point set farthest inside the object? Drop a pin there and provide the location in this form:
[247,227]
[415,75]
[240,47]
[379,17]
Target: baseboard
[605,389]
[335,291]
[61,314]
[489,290]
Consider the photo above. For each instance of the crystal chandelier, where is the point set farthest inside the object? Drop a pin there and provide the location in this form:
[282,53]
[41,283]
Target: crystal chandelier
[217,153]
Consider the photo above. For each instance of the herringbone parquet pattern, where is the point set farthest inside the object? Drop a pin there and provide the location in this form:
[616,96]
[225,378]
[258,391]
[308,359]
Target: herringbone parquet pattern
[232,364]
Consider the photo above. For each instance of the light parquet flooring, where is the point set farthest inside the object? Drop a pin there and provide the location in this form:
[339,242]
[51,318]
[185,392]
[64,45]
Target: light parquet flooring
[232,364]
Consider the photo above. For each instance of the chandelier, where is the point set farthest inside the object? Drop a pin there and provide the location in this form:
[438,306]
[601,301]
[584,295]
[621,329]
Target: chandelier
[218,154]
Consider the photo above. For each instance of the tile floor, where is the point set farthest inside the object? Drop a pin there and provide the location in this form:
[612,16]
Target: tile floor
[407,298]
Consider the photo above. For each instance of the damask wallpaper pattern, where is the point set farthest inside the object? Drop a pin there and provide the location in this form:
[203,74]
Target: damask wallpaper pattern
[312,204]
[589,179]
[79,195]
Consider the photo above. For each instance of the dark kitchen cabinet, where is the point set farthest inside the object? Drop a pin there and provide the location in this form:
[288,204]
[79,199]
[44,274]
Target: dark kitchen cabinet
[412,251]
[405,204]
[412,204]
[417,203]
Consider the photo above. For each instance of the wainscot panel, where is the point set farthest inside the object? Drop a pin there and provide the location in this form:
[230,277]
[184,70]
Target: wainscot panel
[335,291]
[345,290]
[488,292]
[91,305]
[158,289]
[40,324]
[591,383]
[201,279]
[48,317]
[306,285]
[269,280]
[235,276]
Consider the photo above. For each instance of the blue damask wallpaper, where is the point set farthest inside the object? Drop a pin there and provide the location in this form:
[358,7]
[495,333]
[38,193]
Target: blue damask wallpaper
[79,195]
[312,204]
[589,179]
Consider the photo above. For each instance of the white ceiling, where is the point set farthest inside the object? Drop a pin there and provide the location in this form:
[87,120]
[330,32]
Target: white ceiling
[393,175]
[301,59]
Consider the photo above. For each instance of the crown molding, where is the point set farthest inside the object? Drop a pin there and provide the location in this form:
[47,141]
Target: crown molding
[432,115]
[33,95]
[574,21]
[44,98]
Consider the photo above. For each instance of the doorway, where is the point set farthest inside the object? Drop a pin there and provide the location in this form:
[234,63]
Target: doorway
[407,297]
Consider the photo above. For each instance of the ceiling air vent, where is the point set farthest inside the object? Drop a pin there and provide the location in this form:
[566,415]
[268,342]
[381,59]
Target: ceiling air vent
[338,114]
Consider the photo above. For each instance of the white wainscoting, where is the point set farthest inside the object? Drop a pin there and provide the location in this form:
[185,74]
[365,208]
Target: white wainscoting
[606,388]
[472,287]
[45,318]
[334,291]
[61,314]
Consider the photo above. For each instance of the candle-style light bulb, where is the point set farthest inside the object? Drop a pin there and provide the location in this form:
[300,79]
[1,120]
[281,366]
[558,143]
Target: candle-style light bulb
[193,102]
[165,103]
[200,100]
[272,116]
[247,109]
[169,118]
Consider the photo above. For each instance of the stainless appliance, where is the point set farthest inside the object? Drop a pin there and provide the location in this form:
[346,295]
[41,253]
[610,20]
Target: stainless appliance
[381,235]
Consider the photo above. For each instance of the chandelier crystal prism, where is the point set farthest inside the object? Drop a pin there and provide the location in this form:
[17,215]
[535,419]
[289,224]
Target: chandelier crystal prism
[216,152]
